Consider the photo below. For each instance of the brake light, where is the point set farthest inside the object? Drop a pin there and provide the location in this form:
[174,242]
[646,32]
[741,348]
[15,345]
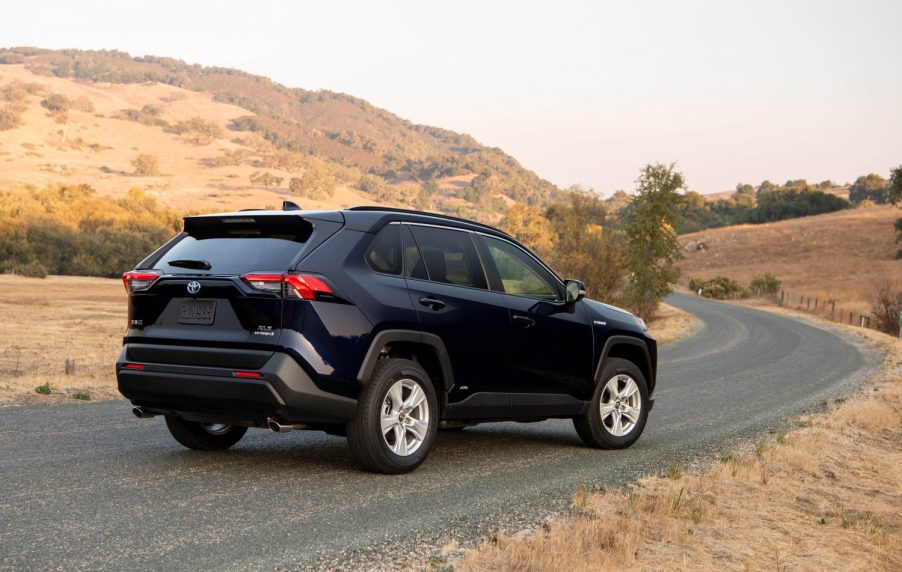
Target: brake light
[301,286]
[134,366]
[135,280]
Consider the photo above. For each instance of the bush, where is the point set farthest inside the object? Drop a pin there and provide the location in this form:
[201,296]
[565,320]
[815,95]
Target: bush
[44,389]
[766,283]
[198,131]
[719,287]
[885,307]
[146,165]
[10,117]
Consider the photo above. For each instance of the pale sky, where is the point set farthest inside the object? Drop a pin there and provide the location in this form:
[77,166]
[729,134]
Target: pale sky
[580,92]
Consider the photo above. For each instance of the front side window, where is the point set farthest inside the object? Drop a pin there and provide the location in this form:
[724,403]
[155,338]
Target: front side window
[520,274]
[449,256]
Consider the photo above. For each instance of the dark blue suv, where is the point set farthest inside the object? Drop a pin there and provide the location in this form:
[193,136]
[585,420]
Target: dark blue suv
[384,325]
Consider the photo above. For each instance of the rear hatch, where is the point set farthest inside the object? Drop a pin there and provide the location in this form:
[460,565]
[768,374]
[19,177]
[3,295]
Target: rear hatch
[213,296]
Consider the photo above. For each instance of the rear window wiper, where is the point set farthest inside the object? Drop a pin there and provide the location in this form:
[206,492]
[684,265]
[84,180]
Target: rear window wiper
[192,264]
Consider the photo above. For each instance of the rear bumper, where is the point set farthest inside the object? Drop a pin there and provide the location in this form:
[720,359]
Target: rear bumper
[284,391]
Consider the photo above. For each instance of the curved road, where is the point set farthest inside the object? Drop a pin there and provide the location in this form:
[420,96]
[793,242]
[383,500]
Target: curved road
[88,486]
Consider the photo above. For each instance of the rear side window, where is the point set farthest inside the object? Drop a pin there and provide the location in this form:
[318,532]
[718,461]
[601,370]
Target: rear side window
[384,254]
[236,245]
[449,256]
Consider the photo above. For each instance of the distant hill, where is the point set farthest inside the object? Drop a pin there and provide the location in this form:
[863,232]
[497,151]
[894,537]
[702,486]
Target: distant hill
[844,255]
[222,138]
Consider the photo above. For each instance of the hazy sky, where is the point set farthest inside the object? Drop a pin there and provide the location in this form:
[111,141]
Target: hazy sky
[580,92]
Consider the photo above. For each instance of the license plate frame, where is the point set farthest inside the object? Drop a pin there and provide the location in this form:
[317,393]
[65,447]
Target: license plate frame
[197,312]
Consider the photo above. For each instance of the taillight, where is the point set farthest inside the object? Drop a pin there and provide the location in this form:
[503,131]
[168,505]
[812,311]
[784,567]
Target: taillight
[301,286]
[136,280]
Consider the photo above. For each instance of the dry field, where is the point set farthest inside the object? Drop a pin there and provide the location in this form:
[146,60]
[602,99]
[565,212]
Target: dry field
[43,322]
[825,496]
[843,256]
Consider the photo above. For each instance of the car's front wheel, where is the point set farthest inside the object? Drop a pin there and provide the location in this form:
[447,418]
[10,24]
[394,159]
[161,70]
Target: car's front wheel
[204,436]
[619,408]
[397,418]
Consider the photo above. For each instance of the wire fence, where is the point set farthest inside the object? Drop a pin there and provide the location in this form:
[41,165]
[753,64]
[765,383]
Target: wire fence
[829,308]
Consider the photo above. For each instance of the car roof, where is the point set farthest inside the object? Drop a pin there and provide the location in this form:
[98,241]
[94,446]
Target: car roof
[372,218]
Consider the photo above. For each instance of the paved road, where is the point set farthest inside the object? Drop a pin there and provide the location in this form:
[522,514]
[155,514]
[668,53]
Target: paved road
[87,486]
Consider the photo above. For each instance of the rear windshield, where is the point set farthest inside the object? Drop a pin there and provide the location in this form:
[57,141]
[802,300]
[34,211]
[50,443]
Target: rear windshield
[236,245]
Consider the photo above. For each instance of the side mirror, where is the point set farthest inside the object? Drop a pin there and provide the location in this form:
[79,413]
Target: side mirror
[574,291]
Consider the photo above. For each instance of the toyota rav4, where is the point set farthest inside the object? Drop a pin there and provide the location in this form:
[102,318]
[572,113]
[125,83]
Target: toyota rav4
[383,325]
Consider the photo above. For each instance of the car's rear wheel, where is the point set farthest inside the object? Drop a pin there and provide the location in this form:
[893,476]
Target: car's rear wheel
[619,408]
[397,418]
[204,436]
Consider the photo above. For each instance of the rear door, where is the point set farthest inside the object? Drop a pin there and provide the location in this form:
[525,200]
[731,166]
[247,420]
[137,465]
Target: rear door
[199,297]
[448,287]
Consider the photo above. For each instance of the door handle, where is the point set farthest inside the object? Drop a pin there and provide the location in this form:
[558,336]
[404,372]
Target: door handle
[523,321]
[433,303]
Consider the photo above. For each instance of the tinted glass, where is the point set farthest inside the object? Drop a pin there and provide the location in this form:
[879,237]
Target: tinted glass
[449,256]
[384,254]
[414,267]
[520,273]
[236,245]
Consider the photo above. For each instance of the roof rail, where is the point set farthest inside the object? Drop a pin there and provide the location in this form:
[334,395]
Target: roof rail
[424,213]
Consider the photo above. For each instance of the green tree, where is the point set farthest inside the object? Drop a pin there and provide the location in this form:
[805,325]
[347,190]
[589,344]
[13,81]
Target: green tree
[585,245]
[871,187]
[529,226]
[197,130]
[653,248]
[317,183]
[146,165]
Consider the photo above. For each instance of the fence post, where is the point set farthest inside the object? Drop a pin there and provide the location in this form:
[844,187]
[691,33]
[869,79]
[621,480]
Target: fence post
[808,305]
[815,304]
[850,318]
[833,310]
[801,299]
[781,302]
[70,366]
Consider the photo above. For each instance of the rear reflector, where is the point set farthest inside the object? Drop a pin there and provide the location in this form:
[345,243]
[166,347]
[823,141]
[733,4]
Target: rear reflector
[302,286]
[247,374]
[134,366]
[135,280]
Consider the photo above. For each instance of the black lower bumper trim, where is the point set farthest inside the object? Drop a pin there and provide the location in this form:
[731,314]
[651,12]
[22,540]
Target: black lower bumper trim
[285,392]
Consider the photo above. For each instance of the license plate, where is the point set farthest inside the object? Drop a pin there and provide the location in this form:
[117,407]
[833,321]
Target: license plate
[197,312]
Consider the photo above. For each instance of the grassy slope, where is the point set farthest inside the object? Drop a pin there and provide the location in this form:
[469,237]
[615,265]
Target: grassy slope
[843,255]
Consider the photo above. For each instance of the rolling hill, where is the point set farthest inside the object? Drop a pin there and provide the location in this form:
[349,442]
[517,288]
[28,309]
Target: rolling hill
[844,255]
[222,138]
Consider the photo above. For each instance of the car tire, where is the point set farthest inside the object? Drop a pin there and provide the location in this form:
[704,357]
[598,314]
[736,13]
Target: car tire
[204,436]
[397,418]
[619,408]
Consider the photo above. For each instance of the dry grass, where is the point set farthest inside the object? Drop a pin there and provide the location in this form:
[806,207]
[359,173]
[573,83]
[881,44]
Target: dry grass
[825,496]
[43,322]
[673,324]
[842,256]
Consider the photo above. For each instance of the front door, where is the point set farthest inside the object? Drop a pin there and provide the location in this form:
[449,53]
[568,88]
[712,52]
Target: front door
[549,344]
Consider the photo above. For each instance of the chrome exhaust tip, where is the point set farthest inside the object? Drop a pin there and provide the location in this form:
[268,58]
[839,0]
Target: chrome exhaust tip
[277,427]
[140,413]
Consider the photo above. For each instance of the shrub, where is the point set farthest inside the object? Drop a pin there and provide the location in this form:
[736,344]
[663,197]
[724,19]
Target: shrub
[198,131]
[81,396]
[719,287]
[10,117]
[765,283]
[44,389]
[146,165]
[885,307]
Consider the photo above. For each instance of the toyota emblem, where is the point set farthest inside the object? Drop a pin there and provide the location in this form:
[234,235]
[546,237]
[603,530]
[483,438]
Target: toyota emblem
[193,287]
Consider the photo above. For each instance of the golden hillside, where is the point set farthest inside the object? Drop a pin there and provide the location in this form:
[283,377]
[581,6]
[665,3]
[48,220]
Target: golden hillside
[345,150]
[843,255]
